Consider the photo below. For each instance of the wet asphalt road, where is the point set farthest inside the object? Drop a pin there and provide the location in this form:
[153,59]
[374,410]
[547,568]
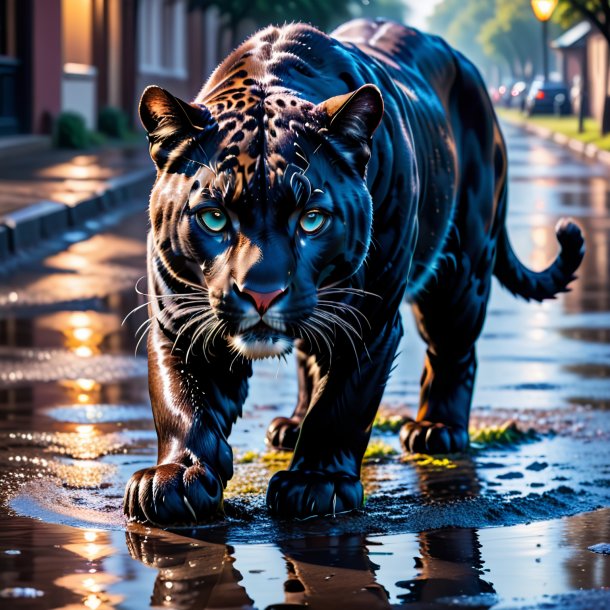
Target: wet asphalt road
[75,422]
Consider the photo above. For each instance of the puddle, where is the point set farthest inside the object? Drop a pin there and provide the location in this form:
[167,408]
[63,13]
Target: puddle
[443,568]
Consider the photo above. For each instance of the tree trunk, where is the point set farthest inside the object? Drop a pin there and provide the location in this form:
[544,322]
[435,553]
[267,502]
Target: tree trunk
[605,127]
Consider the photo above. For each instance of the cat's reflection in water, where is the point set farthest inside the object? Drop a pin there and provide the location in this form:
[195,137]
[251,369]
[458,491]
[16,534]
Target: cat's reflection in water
[449,566]
[329,571]
[450,562]
[192,574]
[321,572]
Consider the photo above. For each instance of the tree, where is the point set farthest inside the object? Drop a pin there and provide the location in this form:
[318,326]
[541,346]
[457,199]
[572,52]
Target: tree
[396,10]
[320,13]
[598,13]
[492,32]
[459,23]
[514,34]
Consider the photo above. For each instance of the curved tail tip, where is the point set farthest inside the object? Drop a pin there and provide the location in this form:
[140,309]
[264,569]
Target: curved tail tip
[570,236]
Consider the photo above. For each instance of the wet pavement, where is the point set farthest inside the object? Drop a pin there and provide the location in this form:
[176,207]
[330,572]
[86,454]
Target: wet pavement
[61,176]
[507,526]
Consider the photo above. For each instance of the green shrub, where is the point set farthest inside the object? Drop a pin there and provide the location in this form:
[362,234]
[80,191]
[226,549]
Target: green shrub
[113,122]
[70,131]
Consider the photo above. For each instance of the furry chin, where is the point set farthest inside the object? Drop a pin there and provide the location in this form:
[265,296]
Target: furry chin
[257,349]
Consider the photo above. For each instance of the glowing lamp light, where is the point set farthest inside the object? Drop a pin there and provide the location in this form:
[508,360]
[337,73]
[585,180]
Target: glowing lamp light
[83,351]
[85,430]
[92,601]
[79,319]
[543,9]
[83,334]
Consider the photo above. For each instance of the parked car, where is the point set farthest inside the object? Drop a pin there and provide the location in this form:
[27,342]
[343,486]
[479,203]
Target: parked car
[548,98]
[518,95]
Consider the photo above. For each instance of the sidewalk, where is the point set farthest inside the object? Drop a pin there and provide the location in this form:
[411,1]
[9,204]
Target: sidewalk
[585,149]
[47,192]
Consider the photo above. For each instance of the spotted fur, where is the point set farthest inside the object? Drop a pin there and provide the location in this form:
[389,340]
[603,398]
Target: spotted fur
[384,140]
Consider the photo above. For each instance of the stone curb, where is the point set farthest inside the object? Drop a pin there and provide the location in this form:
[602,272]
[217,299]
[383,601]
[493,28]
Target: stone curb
[26,229]
[576,146]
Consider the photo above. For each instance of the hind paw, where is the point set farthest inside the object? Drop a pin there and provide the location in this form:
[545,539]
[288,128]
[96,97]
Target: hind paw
[283,433]
[431,438]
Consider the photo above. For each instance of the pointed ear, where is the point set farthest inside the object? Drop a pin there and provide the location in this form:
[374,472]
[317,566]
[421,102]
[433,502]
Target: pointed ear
[351,120]
[169,121]
[160,109]
[356,114]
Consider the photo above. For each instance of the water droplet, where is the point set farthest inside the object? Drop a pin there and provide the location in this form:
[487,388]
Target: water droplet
[20,592]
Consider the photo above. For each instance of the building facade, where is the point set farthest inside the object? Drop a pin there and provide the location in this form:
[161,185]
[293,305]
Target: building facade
[83,55]
[583,54]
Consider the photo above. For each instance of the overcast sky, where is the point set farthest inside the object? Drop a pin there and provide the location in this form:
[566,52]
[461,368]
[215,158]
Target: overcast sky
[420,9]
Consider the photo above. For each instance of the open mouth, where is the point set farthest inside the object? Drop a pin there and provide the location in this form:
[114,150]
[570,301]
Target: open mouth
[261,341]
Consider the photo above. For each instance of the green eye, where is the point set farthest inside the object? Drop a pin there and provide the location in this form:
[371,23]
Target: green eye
[212,219]
[313,221]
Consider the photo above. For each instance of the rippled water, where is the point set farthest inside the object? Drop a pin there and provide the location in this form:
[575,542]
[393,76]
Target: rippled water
[500,527]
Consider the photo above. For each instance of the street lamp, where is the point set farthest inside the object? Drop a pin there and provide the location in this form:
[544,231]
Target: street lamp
[543,9]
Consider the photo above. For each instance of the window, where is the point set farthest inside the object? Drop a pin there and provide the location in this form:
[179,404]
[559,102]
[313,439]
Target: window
[8,45]
[77,31]
[162,34]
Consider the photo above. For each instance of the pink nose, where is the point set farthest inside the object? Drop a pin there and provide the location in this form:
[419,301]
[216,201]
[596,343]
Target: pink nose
[263,300]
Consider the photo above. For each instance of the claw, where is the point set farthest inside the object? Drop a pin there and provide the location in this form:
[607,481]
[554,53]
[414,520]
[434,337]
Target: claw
[188,505]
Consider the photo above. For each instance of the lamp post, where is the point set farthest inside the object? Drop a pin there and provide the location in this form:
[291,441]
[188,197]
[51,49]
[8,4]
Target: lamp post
[543,9]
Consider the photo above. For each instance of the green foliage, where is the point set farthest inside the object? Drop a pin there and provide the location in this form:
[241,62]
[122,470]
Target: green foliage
[494,30]
[565,125]
[513,34]
[569,12]
[113,122]
[318,12]
[387,422]
[70,131]
[395,10]
[506,435]
[379,450]
[460,22]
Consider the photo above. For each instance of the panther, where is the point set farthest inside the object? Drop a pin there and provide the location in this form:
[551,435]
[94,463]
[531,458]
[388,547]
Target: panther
[314,183]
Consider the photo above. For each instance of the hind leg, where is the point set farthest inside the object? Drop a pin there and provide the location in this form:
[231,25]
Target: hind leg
[449,315]
[283,432]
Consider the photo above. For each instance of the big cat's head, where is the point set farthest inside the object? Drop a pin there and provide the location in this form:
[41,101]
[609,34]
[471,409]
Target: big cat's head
[261,200]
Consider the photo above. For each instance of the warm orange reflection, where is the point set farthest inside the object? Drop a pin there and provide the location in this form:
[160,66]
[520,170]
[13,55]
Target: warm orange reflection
[83,334]
[85,431]
[83,391]
[92,585]
[95,545]
[82,474]
[86,385]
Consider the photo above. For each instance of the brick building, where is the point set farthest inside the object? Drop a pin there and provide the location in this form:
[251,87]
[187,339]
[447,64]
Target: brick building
[82,55]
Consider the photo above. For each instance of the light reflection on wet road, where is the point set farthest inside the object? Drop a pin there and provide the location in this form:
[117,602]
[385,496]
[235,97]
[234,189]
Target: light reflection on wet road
[75,422]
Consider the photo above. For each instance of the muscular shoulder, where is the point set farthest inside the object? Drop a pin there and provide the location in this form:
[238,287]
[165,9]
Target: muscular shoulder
[400,47]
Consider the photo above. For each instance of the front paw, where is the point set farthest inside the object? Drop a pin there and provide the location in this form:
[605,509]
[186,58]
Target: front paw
[302,494]
[283,433]
[431,438]
[173,494]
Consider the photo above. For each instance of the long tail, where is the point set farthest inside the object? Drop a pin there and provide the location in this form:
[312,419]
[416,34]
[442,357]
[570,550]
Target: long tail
[517,278]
